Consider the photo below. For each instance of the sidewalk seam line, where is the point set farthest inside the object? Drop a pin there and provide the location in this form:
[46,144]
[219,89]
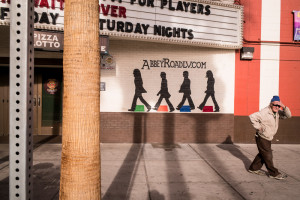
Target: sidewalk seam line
[217,173]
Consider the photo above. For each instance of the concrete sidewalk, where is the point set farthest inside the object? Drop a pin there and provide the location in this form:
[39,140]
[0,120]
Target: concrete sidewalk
[170,172]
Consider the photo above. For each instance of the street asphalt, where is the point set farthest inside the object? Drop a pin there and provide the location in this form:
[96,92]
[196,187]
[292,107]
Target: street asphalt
[169,172]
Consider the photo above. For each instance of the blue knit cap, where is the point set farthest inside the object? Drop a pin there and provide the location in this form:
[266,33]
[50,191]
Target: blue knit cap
[275,98]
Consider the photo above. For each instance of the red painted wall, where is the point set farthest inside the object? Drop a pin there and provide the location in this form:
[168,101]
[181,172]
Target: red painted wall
[289,66]
[247,74]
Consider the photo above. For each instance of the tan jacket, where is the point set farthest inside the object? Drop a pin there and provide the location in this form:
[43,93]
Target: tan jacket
[266,123]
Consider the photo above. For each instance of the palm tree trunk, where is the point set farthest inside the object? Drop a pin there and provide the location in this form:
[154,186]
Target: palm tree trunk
[80,159]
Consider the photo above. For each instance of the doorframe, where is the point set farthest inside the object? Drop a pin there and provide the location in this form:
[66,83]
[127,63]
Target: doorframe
[38,98]
[4,101]
[37,104]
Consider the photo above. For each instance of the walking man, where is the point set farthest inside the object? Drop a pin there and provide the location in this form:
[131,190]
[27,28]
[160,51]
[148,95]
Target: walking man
[266,124]
[185,88]
[139,90]
[164,93]
[210,91]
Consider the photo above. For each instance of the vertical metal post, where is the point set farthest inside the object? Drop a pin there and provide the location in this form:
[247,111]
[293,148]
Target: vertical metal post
[21,93]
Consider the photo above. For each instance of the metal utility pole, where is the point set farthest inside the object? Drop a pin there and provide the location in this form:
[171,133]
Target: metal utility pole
[21,92]
[80,162]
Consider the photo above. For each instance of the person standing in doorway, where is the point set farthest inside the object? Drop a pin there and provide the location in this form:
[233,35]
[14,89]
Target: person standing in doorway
[185,88]
[266,124]
[139,90]
[210,91]
[164,93]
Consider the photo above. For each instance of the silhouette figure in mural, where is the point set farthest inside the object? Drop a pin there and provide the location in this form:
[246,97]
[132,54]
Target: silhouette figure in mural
[185,88]
[164,93]
[139,90]
[210,91]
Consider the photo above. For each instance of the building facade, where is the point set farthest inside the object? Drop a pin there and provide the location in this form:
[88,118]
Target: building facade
[171,71]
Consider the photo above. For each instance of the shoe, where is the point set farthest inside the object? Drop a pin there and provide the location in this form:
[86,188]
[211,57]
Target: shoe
[257,172]
[172,109]
[201,108]
[217,110]
[148,108]
[177,108]
[278,177]
[192,108]
[130,109]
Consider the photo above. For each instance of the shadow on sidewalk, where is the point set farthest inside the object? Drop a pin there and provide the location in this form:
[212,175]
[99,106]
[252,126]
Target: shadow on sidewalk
[122,185]
[37,140]
[235,151]
[177,189]
[45,182]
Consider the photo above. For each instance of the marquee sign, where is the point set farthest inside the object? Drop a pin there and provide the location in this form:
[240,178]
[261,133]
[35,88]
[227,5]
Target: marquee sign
[189,22]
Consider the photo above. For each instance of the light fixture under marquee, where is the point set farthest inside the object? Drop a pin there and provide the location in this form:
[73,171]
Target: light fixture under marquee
[247,53]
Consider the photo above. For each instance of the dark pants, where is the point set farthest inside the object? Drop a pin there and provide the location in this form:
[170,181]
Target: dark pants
[264,156]
[191,103]
[205,100]
[141,99]
[167,100]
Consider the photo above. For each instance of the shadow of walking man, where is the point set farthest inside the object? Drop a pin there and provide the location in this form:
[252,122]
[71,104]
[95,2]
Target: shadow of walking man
[228,145]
